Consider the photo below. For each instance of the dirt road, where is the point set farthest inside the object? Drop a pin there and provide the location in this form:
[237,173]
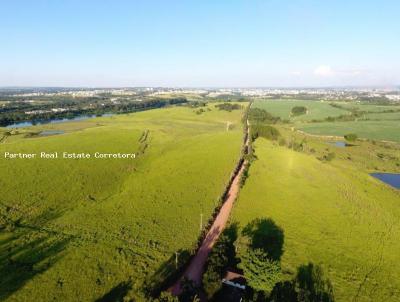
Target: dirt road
[195,269]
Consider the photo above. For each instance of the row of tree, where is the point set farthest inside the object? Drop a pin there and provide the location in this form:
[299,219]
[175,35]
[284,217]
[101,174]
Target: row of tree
[13,114]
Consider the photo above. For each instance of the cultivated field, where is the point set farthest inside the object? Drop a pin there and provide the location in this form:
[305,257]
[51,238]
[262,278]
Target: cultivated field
[86,229]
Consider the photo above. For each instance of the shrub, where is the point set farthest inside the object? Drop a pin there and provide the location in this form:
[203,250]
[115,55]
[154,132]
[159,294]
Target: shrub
[299,110]
[330,156]
[282,142]
[261,116]
[228,106]
[266,131]
[351,137]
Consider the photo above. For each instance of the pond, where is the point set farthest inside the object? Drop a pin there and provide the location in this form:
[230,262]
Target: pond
[55,121]
[392,179]
[339,144]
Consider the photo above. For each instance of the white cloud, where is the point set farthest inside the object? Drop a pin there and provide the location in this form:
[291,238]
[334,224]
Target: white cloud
[324,71]
[327,71]
[295,73]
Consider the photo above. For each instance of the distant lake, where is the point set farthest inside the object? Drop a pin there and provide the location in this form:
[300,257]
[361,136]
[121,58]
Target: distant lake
[54,121]
[339,144]
[391,179]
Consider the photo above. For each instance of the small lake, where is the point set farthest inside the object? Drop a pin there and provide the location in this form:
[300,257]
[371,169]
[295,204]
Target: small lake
[339,144]
[391,179]
[55,121]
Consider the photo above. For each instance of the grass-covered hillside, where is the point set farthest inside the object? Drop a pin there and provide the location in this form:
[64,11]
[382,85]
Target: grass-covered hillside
[87,229]
[328,210]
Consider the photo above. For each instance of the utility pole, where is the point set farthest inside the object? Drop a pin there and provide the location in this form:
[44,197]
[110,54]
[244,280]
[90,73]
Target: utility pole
[201,221]
[176,260]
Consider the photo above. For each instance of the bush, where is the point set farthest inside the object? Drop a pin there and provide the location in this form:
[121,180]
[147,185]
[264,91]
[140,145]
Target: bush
[351,137]
[330,156]
[261,116]
[228,106]
[266,131]
[299,110]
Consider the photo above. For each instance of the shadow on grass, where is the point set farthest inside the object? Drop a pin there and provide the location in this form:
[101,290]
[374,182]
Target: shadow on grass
[310,284]
[117,293]
[25,255]
[167,273]
[26,251]
[266,235]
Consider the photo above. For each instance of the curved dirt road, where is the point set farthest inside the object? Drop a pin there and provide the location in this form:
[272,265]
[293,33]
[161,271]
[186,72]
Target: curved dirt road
[195,269]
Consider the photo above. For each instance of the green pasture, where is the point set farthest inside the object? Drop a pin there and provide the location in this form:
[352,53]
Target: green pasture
[332,213]
[376,130]
[384,116]
[87,229]
[364,106]
[315,109]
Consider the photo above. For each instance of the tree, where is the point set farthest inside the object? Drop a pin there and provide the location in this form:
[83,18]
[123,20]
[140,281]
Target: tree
[309,285]
[299,110]
[312,286]
[284,291]
[220,259]
[259,270]
[190,291]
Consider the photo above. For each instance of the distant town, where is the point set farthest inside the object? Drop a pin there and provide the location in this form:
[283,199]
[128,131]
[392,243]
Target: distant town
[392,93]
[34,105]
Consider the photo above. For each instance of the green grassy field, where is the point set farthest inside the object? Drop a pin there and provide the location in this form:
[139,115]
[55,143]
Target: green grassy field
[315,109]
[384,116]
[81,230]
[376,130]
[332,213]
[376,125]
[367,107]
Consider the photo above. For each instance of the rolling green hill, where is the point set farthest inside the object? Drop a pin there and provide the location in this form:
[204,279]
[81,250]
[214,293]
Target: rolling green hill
[86,229]
[332,214]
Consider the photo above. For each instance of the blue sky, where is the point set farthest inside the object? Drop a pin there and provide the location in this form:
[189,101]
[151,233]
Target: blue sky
[200,43]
